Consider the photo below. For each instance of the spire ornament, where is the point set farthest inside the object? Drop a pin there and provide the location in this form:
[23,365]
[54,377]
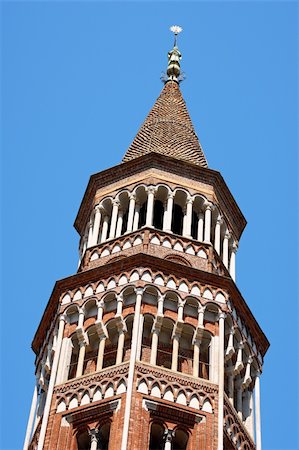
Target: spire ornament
[174,56]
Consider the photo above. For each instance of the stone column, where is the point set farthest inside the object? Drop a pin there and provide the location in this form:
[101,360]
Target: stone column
[119,223]
[231,386]
[175,351]
[139,343]
[100,306]
[132,198]
[257,394]
[119,305]
[31,417]
[239,363]
[154,348]
[181,304]
[249,423]
[90,229]
[221,381]
[188,220]
[105,229]
[239,405]
[81,318]
[200,228]
[168,223]
[135,333]
[96,225]
[208,217]
[225,248]
[114,215]
[81,357]
[93,439]
[196,353]
[217,234]
[150,206]
[168,437]
[136,216]
[232,263]
[230,350]
[101,350]
[120,346]
[51,384]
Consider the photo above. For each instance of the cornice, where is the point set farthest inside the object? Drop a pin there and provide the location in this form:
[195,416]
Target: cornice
[168,267]
[167,164]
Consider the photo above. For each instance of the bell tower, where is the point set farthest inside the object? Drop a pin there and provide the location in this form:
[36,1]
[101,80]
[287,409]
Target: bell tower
[150,345]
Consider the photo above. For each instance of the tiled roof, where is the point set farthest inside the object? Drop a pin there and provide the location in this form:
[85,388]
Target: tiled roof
[168,130]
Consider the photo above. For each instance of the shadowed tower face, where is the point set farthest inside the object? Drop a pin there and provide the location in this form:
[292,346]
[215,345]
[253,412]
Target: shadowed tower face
[150,345]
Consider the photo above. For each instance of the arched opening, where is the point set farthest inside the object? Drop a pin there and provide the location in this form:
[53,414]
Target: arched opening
[180,440]
[83,441]
[177,219]
[128,337]
[103,439]
[74,358]
[204,358]
[164,353]
[194,225]
[185,350]
[158,214]
[91,351]
[156,437]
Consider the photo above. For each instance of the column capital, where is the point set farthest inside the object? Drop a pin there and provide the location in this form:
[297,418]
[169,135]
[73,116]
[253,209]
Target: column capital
[227,235]
[99,208]
[139,290]
[170,195]
[132,196]
[63,318]
[234,247]
[151,189]
[219,220]
[100,303]
[208,205]
[221,315]
[115,202]
[94,434]
[168,435]
[189,199]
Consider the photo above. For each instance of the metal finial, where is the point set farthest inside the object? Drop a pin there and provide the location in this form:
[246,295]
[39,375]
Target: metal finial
[176,29]
[174,56]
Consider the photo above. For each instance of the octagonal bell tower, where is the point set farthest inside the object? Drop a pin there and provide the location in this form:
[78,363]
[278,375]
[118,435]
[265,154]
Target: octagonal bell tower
[150,345]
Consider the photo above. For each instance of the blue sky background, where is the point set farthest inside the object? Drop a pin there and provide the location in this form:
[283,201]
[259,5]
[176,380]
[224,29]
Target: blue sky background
[78,79]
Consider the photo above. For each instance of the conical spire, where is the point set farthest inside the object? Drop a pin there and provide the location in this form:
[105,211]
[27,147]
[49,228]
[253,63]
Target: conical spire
[168,128]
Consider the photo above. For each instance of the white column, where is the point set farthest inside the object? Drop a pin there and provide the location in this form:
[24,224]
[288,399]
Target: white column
[154,348]
[230,350]
[250,417]
[164,223]
[239,405]
[232,263]
[168,436]
[150,206]
[80,318]
[221,381]
[51,384]
[96,225]
[119,305]
[257,401]
[239,363]
[100,306]
[214,358]
[175,352]
[31,417]
[120,347]
[231,386]
[90,228]
[181,304]
[208,218]
[81,357]
[119,222]
[225,249]
[188,220]
[105,229]
[114,214]
[135,332]
[217,234]
[139,343]
[101,350]
[93,439]
[200,226]
[168,221]
[136,216]
[196,353]
[132,198]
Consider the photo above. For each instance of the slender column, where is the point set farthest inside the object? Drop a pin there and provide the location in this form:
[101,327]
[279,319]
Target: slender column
[51,384]
[231,387]
[90,229]
[114,214]
[208,217]
[160,305]
[232,263]
[96,225]
[188,221]
[239,405]
[31,416]
[180,310]
[196,353]
[132,198]
[139,344]
[201,312]
[214,352]
[164,216]
[250,415]
[120,347]
[225,248]
[150,206]
[175,352]
[101,350]
[136,216]
[239,363]
[230,350]
[119,222]
[100,306]
[200,226]
[217,234]
[135,333]
[168,221]
[93,439]
[221,381]
[257,401]
[119,305]
[81,318]
[105,229]
[154,348]
[81,357]
[247,378]
[168,436]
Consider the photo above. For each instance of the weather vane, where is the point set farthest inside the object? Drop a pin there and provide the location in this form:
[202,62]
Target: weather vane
[176,29]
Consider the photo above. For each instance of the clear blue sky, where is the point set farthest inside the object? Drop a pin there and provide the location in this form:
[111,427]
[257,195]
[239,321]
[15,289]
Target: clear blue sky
[78,78]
